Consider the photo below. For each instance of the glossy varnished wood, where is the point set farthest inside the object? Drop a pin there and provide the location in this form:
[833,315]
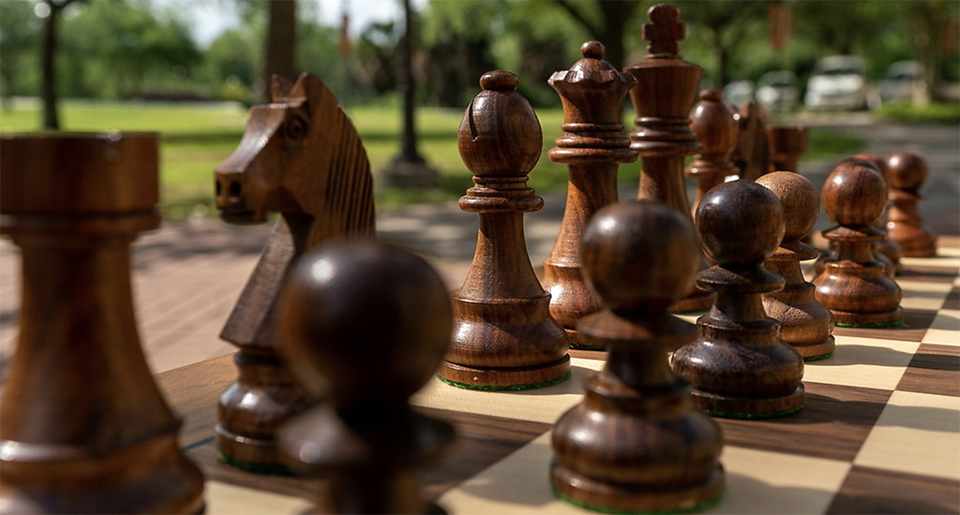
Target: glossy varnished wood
[299,156]
[504,335]
[885,249]
[592,146]
[637,443]
[787,144]
[84,427]
[752,155]
[738,365]
[905,225]
[715,125]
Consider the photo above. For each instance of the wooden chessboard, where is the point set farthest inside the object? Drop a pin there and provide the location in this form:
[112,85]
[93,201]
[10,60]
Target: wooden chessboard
[880,431]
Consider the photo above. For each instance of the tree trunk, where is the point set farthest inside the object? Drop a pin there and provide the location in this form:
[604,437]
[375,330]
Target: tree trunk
[281,55]
[51,120]
[408,142]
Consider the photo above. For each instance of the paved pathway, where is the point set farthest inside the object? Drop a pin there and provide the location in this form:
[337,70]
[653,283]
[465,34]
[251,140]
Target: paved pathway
[187,276]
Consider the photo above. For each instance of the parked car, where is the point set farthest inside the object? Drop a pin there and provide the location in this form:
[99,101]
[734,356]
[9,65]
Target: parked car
[837,82]
[739,93]
[903,81]
[778,91]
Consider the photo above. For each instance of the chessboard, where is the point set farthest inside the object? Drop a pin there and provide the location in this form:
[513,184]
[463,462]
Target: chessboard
[880,431]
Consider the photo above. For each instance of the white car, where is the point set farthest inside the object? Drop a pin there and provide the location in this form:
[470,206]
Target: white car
[777,91]
[838,82]
[903,81]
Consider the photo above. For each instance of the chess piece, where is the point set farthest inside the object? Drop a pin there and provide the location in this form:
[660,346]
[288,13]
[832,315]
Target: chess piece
[886,250]
[84,428]
[365,325]
[666,88]
[716,128]
[905,225]
[752,154]
[854,286]
[592,147]
[804,323]
[787,144]
[299,156]
[636,443]
[738,365]
[504,336]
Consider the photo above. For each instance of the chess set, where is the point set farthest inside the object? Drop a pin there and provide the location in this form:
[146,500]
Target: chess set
[665,358]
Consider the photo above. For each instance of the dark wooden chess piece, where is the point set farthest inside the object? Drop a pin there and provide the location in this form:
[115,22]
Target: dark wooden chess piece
[84,428]
[804,323]
[908,172]
[717,130]
[637,443]
[752,155]
[666,89]
[886,250]
[299,156]
[365,325]
[738,365]
[504,336]
[592,147]
[854,286]
[787,144]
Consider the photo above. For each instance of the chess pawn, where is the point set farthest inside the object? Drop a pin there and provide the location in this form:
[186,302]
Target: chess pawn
[592,146]
[787,144]
[504,336]
[84,427]
[715,125]
[854,286]
[738,365]
[804,323]
[886,250]
[666,88]
[365,326]
[636,443]
[905,225]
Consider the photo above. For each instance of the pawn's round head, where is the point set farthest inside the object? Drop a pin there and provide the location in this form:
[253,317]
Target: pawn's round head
[363,322]
[740,223]
[854,193]
[908,171]
[799,198]
[639,255]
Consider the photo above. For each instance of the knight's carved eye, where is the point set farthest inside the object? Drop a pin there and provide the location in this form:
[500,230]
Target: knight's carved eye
[295,129]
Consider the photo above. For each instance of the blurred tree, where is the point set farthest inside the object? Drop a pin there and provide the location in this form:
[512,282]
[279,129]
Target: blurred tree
[19,27]
[281,49]
[723,27]
[52,12]
[929,21]
[606,21]
[375,52]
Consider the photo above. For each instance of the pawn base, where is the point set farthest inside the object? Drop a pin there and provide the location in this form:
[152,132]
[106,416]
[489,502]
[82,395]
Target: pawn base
[875,320]
[816,351]
[922,248]
[632,498]
[724,406]
[251,454]
[505,379]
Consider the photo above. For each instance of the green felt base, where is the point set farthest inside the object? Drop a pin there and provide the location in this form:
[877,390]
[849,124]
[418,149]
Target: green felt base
[818,358]
[272,470]
[883,325]
[579,346]
[753,416]
[700,507]
[508,388]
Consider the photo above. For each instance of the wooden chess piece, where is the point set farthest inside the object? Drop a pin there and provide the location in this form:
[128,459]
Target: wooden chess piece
[738,365]
[365,326]
[886,250]
[84,428]
[804,323]
[592,147]
[908,172]
[504,336]
[716,128]
[637,443]
[752,154]
[787,144]
[299,156]
[666,88]
[854,286]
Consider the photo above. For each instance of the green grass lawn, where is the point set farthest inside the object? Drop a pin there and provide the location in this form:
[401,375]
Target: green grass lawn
[195,138]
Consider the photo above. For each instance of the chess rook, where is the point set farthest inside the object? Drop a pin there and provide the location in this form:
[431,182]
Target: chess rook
[715,125]
[504,336]
[592,147]
[666,88]
[787,144]
[299,156]
[854,285]
[804,323]
[84,428]
[636,443]
[905,225]
[738,365]
[364,326]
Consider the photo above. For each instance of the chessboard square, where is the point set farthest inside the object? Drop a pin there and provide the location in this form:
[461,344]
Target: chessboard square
[868,490]
[923,294]
[916,433]
[946,257]
[863,362]
[945,328]
[953,299]
[227,499]
[914,326]
[538,405]
[934,369]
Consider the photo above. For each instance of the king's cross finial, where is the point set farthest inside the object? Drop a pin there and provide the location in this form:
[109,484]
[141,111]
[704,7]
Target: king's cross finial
[664,30]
